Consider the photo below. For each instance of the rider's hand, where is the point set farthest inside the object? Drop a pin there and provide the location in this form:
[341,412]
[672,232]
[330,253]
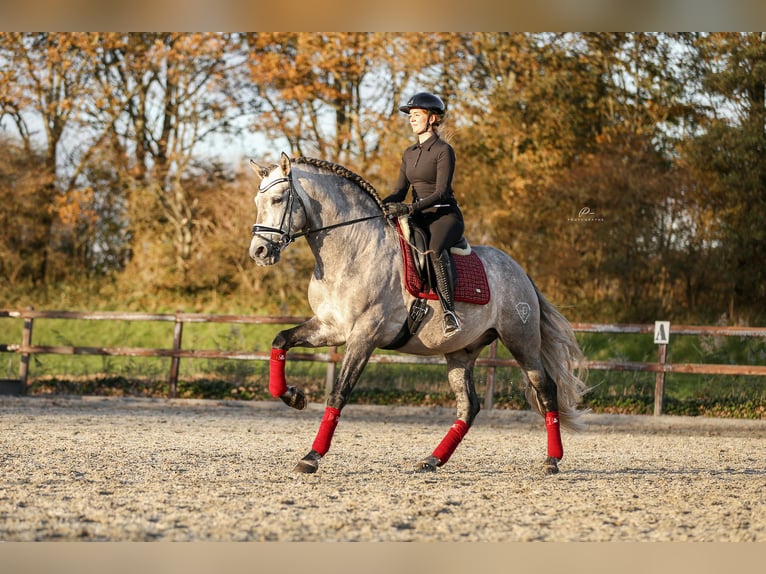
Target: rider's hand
[397,209]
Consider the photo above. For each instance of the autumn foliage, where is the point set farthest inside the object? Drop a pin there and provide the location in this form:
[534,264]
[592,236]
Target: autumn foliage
[626,172]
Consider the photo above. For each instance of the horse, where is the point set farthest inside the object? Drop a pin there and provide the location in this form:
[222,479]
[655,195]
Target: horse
[358,299]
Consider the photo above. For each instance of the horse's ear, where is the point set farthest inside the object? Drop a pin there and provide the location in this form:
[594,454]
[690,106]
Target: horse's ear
[259,169]
[284,163]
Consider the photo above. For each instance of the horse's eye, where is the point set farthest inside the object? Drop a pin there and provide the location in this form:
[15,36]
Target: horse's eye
[276,200]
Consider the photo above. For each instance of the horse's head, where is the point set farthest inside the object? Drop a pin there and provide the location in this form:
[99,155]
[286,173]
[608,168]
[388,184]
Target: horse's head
[280,212]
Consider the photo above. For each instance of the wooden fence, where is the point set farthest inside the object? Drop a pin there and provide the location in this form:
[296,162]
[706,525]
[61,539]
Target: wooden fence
[332,357]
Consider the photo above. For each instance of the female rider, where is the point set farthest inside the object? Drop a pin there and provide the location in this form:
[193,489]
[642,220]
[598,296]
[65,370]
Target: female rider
[428,167]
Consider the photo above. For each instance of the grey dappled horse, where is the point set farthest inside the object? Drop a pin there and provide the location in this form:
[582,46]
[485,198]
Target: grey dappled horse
[359,300]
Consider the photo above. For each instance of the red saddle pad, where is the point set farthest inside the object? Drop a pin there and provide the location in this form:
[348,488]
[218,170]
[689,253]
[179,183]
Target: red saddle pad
[472,285]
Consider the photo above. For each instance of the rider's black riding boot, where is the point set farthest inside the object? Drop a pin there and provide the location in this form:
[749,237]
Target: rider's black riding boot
[445,290]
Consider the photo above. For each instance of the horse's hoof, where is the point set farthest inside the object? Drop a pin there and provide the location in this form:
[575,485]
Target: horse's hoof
[428,464]
[294,398]
[551,465]
[309,464]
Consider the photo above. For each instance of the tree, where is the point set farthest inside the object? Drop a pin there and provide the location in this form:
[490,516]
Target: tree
[44,82]
[728,159]
[335,95]
[23,219]
[567,122]
[167,93]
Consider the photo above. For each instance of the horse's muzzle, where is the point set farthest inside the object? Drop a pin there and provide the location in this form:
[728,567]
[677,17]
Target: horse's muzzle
[263,252]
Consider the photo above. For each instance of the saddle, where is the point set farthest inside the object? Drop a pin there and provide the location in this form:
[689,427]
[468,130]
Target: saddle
[471,283]
[471,279]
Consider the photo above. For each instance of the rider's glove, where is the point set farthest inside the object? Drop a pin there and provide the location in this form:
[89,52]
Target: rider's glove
[397,209]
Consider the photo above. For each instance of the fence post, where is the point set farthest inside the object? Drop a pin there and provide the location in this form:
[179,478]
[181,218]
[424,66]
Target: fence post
[659,383]
[26,341]
[661,338]
[175,361]
[489,392]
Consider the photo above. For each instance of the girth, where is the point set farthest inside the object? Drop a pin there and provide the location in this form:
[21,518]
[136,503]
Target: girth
[418,312]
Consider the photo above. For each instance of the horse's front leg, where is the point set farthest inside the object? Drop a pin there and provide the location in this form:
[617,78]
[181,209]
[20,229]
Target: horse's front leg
[311,333]
[354,360]
[460,374]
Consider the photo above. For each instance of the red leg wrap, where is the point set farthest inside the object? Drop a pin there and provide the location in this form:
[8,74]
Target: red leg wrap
[277,383]
[450,441]
[555,448]
[326,430]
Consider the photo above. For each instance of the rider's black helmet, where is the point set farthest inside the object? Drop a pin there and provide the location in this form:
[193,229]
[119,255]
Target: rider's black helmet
[424,101]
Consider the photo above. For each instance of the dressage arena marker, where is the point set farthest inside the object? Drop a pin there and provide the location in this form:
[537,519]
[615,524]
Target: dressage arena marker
[662,332]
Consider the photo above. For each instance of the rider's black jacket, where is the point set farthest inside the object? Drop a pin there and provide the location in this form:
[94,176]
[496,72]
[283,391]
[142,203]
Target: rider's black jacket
[428,168]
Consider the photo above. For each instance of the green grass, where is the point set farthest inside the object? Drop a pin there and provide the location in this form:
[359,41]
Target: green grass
[611,391]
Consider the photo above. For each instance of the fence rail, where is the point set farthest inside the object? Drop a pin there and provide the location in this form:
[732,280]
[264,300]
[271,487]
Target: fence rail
[332,357]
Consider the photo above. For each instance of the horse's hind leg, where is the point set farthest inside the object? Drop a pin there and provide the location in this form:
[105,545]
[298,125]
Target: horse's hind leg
[542,394]
[460,374]
[542,390]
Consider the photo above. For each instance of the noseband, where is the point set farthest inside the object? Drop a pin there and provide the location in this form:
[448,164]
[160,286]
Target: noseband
[286,237]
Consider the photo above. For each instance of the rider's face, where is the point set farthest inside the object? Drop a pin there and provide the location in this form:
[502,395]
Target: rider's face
[418,120]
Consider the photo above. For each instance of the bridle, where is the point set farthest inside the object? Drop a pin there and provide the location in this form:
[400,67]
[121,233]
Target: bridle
[266,231]
[286,237]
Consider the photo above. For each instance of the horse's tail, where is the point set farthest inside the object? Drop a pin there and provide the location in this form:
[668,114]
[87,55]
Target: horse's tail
[562,359]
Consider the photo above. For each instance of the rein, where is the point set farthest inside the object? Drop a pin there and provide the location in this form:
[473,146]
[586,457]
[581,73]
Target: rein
[335,225]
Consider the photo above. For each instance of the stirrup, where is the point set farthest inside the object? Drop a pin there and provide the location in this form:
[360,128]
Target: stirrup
[450,324]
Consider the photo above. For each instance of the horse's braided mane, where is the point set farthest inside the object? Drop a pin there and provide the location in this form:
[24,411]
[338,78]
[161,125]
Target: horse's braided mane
[343,172]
